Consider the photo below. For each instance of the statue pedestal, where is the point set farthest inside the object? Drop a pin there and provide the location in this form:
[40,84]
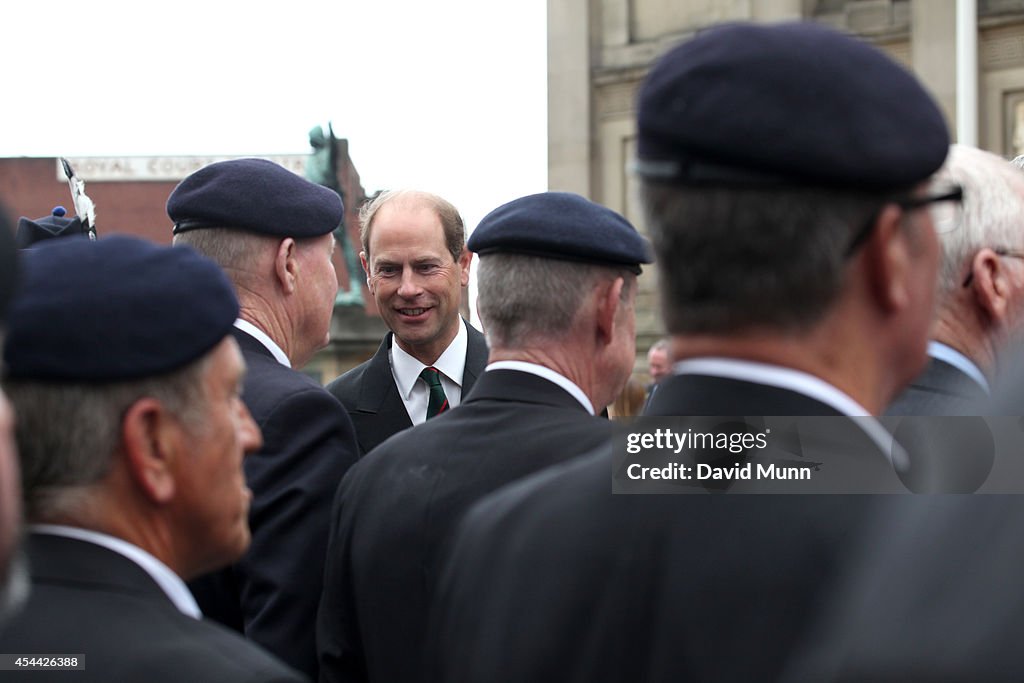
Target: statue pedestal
[355,336]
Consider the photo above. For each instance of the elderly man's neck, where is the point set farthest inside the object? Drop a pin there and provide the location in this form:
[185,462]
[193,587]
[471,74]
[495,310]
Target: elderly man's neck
[273,321]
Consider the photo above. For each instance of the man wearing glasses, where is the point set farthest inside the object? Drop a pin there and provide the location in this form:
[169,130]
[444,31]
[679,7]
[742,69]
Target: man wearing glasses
[981,285]
[785,175]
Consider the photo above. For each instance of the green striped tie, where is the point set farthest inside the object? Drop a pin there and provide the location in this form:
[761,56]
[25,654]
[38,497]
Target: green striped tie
[438,401]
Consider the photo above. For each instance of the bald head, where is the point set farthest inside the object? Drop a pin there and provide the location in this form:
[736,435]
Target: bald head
[451,221]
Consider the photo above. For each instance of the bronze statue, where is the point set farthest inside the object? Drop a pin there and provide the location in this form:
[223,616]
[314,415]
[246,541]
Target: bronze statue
[322,169]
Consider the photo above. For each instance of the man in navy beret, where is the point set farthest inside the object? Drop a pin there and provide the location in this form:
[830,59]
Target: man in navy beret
[270,230]
[784,175]
[555,363]
[896,616]
[131,432]
[416,263]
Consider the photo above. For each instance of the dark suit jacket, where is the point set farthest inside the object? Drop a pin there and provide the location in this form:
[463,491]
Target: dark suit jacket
[554,578]
[397,509]
[371,398]
[89,600]
[705,395]
[271,594]
[939,461]
[936,598]
[941,389]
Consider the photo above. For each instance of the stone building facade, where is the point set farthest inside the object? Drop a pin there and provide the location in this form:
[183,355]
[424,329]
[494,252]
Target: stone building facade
[600,50]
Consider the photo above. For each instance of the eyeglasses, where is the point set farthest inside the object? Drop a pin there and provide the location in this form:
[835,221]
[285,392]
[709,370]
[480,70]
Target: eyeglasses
[945,214]
[1008,253]
[955,194]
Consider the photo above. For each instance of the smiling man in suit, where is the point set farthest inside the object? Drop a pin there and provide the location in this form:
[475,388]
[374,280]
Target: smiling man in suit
[416,262]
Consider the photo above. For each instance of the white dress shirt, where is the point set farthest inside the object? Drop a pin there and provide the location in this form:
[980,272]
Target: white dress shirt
[414,392]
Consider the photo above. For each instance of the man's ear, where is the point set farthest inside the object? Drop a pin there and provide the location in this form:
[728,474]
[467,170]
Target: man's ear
[609,300]
[888,259]
[990,284]
[366,269]
[148,439]
[286,265]
[465,258]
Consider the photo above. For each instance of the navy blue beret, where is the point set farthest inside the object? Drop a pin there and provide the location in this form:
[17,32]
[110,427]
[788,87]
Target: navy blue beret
[746,104]
[561,225]
[114,309]
[55,225]
[254,195]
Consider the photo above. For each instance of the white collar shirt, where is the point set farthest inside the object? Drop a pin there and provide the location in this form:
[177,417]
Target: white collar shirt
[795,381]
[948,354]
[548,374]
[414,392]
[263,338]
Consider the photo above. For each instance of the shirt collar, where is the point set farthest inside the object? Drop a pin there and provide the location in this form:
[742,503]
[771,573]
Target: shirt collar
[263,338]
[169,582]
[451,363]
[796,381]
[548,374]
[948,354]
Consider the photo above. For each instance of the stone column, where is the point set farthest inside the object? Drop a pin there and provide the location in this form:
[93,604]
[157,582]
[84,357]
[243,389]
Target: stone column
[933,51]
[570,119]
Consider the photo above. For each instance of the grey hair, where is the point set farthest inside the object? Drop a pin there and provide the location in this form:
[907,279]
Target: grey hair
[991,213]
[731,259]
[451,221]
[67,433]
[237,252]
[526,299]
[662,344]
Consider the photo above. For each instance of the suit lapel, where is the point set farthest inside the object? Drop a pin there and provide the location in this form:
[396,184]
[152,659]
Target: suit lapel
[69,561]
[705,395]
[249,343]
[476,358]
[380,412]
[943,378]
[378,393]
[521,387]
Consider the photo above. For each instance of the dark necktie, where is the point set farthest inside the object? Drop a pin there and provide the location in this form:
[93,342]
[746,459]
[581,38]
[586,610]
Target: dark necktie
[438,401]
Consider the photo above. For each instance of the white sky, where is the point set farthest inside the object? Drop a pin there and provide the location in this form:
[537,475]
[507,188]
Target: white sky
[442,95]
